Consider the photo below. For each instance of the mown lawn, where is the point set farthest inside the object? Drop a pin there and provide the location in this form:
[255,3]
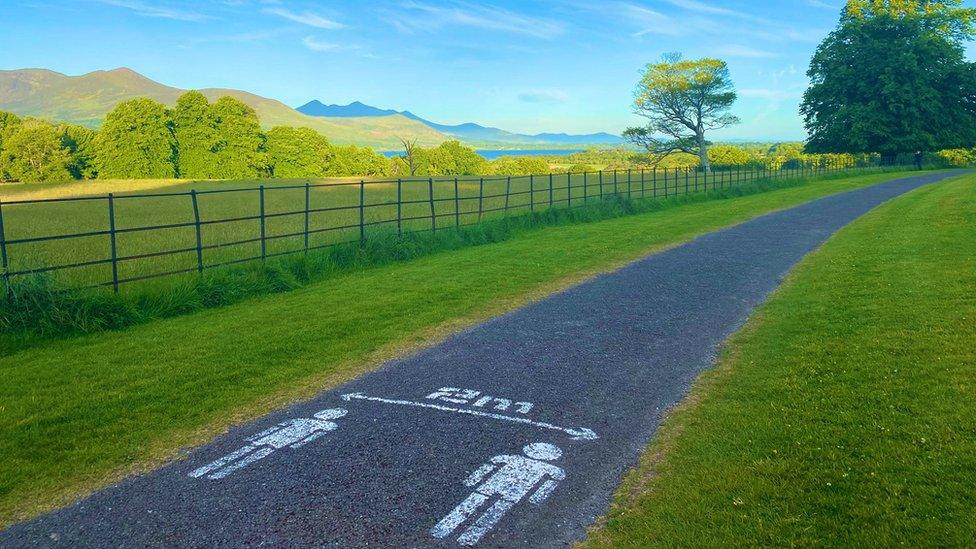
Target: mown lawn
[77,413]
[842,414]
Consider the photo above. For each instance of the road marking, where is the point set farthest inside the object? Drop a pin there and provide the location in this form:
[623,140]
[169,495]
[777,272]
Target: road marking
[581,433]
[513,477]
[464,396]
[293,433]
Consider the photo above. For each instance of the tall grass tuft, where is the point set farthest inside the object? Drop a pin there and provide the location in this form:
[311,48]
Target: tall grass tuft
[36,309]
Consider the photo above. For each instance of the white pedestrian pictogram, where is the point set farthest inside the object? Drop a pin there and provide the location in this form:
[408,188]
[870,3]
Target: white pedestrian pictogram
[513,477]
[293,433]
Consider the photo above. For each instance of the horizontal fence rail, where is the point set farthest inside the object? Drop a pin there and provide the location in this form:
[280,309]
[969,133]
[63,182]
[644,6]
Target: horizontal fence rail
[114,240]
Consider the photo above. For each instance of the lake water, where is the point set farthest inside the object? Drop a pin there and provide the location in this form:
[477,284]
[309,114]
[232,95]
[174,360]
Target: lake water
[493,154]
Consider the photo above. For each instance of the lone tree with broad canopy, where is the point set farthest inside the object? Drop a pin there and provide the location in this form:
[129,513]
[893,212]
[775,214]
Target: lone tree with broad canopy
[893,79]
[683,99]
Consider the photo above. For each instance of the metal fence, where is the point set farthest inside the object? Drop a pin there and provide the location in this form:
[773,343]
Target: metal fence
[117,239]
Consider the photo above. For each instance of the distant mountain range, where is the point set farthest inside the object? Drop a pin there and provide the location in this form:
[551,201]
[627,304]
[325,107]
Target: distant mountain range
[468,132]
[86,99]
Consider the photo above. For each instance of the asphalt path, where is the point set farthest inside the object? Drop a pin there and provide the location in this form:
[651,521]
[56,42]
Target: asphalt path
[512,433]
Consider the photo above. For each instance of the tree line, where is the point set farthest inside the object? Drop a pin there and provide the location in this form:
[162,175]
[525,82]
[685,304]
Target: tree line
[196,139]
[892,79]
[143,139]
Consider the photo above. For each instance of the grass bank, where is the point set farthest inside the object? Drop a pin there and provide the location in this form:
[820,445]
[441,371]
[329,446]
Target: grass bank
[841,415]
[82,412]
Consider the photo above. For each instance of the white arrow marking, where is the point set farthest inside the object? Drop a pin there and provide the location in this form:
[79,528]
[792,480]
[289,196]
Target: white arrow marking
[575,434]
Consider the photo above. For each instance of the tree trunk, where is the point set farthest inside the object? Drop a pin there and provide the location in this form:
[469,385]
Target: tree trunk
[703,154]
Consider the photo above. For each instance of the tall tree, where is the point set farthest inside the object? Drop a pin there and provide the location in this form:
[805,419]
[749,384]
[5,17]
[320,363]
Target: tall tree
[33,153]
[238,141]
[353,160]
[136,141]
[195,130]
[410,151]
[296,152]
[683,101]
[79,141]
[8,123]
[892,78]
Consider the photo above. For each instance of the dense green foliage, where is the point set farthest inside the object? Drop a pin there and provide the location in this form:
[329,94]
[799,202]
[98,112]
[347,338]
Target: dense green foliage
[34,152]
[296,152]
[238,146]
[839,416]
[921,93]
[136,142]
[195,129]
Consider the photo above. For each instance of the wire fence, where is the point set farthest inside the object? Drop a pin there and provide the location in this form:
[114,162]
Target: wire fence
[115,240]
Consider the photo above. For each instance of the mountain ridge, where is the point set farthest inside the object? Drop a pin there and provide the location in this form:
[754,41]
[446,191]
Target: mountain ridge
[86,99]
[468,131]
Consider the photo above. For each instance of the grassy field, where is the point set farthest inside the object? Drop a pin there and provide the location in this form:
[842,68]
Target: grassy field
[842,414]
[336,221]
[82,412]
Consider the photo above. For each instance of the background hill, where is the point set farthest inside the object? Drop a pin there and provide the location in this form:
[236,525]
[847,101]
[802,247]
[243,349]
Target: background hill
[86,99]
[468,132]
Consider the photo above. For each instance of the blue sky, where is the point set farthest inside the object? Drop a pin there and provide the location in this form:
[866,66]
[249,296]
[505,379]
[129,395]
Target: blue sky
[552,65]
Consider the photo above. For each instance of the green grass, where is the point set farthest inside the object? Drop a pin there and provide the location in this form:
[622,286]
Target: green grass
[842,414]
[82,412]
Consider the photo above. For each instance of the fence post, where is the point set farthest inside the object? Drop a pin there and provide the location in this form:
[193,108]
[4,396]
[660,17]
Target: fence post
[686,181]
[308,207]
[457,205]
[642,182]
[508,192]
[586,189]
[629,186]
[531,193]
[362,212]
[4,263]
[481,198]
[615,191]
[569,190]
[550,189]
[399,207]
[112,240]
[654,177]
[601,185]
[666,182]
[264,240]
[196,225]
[433,213]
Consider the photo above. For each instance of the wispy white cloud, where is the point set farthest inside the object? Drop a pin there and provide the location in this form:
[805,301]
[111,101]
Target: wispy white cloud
[315,44]
[647,20]
[543,97]
[156,10]
[422,17]
[305,18]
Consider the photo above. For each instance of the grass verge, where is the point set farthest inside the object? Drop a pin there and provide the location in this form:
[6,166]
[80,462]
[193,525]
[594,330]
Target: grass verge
[76,414]
[841,415]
